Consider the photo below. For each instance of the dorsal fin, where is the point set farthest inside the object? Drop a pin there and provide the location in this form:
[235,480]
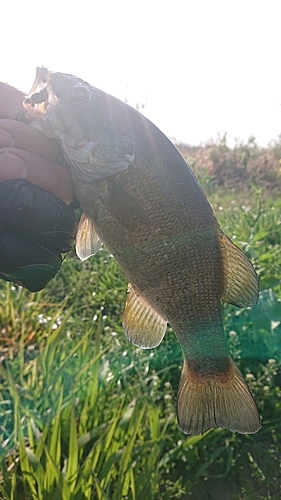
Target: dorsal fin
[241,282]
[143,326]
[87,240]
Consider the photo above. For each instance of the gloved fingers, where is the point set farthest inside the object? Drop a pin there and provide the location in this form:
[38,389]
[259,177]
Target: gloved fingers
[36,214]
[26,263]
[35,228]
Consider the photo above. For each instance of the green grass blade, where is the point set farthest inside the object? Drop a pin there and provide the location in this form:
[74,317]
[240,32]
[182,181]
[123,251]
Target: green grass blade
[72,461]
[123,478]
[54,452]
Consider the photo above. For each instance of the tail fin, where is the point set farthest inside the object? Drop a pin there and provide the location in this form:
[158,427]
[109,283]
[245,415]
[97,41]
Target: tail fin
[205,402]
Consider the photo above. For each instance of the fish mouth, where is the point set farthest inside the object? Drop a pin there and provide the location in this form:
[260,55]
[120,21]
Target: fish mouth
[40,104]
[41,100]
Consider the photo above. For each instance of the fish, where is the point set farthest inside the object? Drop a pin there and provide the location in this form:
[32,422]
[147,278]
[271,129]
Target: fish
[141,199]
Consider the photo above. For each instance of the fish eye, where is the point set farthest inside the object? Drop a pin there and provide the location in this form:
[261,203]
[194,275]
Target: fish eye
[81,94]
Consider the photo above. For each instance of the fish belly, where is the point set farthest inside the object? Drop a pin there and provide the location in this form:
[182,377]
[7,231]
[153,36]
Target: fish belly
[173,259]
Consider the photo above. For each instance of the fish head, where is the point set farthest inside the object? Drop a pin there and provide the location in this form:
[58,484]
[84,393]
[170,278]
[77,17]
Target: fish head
[65,107]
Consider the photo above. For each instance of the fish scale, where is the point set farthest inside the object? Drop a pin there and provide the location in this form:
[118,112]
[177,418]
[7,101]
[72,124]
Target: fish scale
[143,201]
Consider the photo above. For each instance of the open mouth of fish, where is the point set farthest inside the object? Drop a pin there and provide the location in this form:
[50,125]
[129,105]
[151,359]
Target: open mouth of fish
[41,100]
[41,103]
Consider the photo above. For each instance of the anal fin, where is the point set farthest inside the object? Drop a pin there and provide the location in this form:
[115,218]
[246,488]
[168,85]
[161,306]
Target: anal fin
[143,326]
[241,282]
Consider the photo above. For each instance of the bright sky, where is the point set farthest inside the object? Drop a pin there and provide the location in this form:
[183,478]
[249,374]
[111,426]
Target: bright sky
[205,67]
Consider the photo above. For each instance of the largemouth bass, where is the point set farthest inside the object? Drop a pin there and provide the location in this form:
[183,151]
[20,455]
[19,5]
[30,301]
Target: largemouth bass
[142,200]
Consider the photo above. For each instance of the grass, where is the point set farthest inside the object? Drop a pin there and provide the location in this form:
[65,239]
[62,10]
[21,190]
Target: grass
[86,415]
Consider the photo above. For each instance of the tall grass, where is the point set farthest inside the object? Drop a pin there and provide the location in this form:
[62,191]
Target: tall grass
[86,415]
[69,428]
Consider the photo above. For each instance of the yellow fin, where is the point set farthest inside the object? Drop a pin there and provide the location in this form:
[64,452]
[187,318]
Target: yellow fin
[225,401]
[87,240]
[242,284]
[143,326]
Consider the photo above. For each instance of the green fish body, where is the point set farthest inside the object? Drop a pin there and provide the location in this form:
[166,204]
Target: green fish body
[142,200]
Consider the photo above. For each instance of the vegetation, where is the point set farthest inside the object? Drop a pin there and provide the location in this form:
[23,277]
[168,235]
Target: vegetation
[85,415]
[218,165]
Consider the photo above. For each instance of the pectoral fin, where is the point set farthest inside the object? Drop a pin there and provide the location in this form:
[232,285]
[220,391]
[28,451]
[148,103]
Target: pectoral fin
[122,206]
[143,326]
[87,240]
[241,282]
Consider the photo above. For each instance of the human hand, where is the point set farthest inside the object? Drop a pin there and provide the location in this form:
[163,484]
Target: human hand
[35,225]
[26,154]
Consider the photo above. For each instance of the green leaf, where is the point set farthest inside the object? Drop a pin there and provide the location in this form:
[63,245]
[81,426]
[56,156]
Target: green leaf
[72,460]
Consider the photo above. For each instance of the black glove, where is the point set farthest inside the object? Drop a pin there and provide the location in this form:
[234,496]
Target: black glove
[35,228]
